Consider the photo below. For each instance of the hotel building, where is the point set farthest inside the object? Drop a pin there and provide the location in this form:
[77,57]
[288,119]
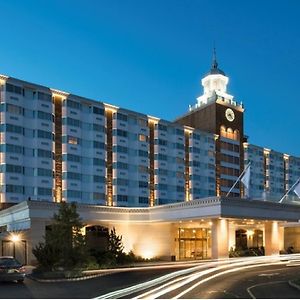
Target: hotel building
[58,147]
[161,184]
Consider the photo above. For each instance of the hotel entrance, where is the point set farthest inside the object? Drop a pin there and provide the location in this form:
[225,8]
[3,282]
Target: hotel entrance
[194,243]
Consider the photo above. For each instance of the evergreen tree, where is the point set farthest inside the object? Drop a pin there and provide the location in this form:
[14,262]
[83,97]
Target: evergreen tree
[115,244]
[64,245]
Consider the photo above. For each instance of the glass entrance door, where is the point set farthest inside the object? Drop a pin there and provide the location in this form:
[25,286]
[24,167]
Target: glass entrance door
[193,243]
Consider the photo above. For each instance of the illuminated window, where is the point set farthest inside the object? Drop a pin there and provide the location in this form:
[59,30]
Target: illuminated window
[72,140]
[142,138]
[230,133]
[223,131]
[236,135]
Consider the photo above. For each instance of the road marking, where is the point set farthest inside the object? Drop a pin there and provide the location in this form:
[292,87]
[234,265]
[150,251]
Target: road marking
[261,284]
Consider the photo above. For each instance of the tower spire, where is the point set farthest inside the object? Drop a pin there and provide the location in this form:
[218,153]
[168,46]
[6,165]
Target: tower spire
[214,70]
[214,60]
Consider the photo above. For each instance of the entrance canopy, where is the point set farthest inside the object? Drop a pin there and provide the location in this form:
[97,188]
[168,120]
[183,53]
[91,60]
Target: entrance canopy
[197,229]
[21,215]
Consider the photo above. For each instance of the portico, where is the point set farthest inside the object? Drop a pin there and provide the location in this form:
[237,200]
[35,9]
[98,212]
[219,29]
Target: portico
[198,229]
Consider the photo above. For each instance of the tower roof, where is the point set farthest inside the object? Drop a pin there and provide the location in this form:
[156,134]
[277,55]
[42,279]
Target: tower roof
[214,66]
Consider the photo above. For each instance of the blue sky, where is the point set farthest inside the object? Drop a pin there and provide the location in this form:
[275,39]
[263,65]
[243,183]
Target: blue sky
[149,56]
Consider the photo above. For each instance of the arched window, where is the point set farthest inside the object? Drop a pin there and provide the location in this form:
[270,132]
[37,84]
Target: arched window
[223,131]
[236,135]
[230,133]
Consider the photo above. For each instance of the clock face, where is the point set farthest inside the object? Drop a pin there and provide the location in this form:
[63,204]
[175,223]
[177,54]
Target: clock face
[229,114]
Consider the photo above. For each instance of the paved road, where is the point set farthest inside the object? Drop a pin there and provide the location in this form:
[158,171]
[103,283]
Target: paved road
[264,282]
[78,289]
[262,277]
[226,279]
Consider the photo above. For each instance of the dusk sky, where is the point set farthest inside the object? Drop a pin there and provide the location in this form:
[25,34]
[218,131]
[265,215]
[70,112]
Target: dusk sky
[149,56]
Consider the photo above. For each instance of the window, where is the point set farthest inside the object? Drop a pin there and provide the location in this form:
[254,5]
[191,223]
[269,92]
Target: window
[72,140]
[99,162]
[98,110]
[71,175]
[179,131]
[11,148]
[179,146]
[14,109]
[143,153]
[121,117]
[142,138]
[71,122]
[160,157]
[99,179]
[45,134]
[143,200]
[98,128]
[161,142]
[120,132]
[143,184]
[13,89]
[122,198]
[44,116]
[236,135]
[14,128]
[120,149]
[44,172]
[143,169]
[44,97]
[143,122]
[196,136]
[44,153]
[120,165]
[73,104]
[44,191]
[229,133]
[98,145]
[13,169]
[18,189]
[161,127]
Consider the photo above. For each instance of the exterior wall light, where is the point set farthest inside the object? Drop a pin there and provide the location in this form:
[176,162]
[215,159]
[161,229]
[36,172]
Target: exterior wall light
[14,239]
[250,233]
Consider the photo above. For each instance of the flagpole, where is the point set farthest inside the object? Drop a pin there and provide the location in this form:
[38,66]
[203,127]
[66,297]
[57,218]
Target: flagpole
[238,179]
[280,201]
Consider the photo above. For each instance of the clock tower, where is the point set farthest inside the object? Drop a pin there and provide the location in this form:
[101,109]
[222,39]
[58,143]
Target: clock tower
[217,112]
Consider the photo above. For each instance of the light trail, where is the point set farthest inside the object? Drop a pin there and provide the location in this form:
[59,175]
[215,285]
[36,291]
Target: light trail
[178,279]
[223,273]
[198,275]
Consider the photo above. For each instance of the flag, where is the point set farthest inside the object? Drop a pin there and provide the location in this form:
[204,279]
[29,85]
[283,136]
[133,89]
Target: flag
[297,189]
[246,178]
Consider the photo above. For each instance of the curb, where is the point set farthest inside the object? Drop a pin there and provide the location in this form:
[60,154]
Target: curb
[67,279]
[294,285]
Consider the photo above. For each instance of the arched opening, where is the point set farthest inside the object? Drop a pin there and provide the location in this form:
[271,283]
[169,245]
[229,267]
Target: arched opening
[223,131]
[236,135]
[230,133]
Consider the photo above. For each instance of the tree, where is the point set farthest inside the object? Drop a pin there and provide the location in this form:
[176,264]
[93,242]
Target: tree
[115,244]
[64,245]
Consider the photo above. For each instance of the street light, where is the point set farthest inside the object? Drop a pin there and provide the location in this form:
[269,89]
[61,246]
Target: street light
[14,238]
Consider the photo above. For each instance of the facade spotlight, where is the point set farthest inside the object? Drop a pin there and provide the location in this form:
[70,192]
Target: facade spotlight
[15,238]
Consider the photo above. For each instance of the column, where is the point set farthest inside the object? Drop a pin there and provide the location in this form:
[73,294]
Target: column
[219,238]
[281,237]
[273,238]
